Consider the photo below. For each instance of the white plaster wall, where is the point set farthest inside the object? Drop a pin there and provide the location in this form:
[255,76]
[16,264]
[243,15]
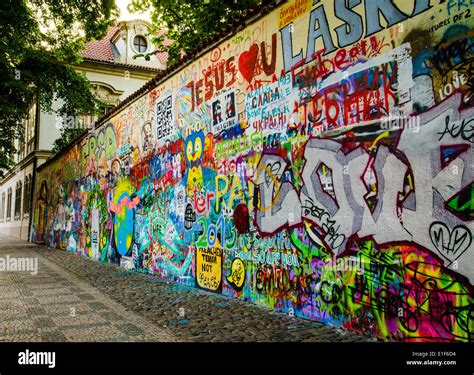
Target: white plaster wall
[12,227]
[121,46]
[49,131]
[154,62]
[119,82]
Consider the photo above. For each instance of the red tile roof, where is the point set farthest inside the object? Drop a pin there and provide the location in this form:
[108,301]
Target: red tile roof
[101,49]
[162,57]
[124,65]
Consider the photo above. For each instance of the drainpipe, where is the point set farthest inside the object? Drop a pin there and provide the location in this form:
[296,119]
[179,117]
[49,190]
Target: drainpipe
[33,184]
[21,206]
[35,163]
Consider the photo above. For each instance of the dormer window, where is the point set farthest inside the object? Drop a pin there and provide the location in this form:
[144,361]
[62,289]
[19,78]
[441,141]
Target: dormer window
[140,44]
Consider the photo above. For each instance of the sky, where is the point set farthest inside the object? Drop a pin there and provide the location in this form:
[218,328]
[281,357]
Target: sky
[126,16]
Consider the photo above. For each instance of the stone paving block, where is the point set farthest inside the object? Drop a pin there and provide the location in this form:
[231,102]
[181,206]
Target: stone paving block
[130,329]
[77,320]
[50,292]
[66,298]
[60,310]
[110,316]
[91,334]
[22,337]
[96,305]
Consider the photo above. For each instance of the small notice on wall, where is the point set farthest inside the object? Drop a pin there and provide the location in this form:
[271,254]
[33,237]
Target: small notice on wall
[127,263]
[292,10]
[209,268]
[224,112]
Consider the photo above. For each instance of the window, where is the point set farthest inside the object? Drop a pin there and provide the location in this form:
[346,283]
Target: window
[27,194]
[2,208]
[140,44]
[21,144]
[85,121]
[18,200]
[30,129]
[9,204]
[103,108]
[107,96]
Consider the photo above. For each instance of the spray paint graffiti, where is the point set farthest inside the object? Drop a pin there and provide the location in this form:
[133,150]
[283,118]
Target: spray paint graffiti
[316,168]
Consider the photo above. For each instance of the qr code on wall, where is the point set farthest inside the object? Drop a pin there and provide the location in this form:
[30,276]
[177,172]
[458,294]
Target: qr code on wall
[164,117]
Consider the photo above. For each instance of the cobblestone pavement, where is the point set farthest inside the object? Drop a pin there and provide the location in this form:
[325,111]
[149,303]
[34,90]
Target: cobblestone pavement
[56,305]
[73,298]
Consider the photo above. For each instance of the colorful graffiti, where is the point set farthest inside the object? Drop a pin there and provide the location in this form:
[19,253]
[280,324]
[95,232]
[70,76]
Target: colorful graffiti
[317,168]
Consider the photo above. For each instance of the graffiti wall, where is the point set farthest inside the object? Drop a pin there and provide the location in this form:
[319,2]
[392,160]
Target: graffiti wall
[319,163]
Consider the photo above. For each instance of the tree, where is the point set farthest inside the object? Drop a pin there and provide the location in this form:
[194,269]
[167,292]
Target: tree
[189,22]
[39,43]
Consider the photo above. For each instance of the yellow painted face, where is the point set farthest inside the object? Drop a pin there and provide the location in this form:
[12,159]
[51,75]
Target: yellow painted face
[194,149]
[195,179]
[195,175]
[237,277]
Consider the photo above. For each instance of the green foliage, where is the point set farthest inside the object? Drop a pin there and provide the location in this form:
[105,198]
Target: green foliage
[189,22]
[39,43]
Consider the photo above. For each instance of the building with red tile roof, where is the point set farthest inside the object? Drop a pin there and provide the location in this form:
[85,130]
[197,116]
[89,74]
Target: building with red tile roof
[115,74]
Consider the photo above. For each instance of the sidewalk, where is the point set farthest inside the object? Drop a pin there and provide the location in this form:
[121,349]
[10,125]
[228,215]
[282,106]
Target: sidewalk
[73,298]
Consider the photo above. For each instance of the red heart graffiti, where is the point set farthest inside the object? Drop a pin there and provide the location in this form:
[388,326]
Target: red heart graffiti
[247,61]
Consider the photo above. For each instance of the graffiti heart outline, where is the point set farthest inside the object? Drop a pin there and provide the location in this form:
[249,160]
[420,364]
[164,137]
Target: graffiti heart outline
[451,244]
